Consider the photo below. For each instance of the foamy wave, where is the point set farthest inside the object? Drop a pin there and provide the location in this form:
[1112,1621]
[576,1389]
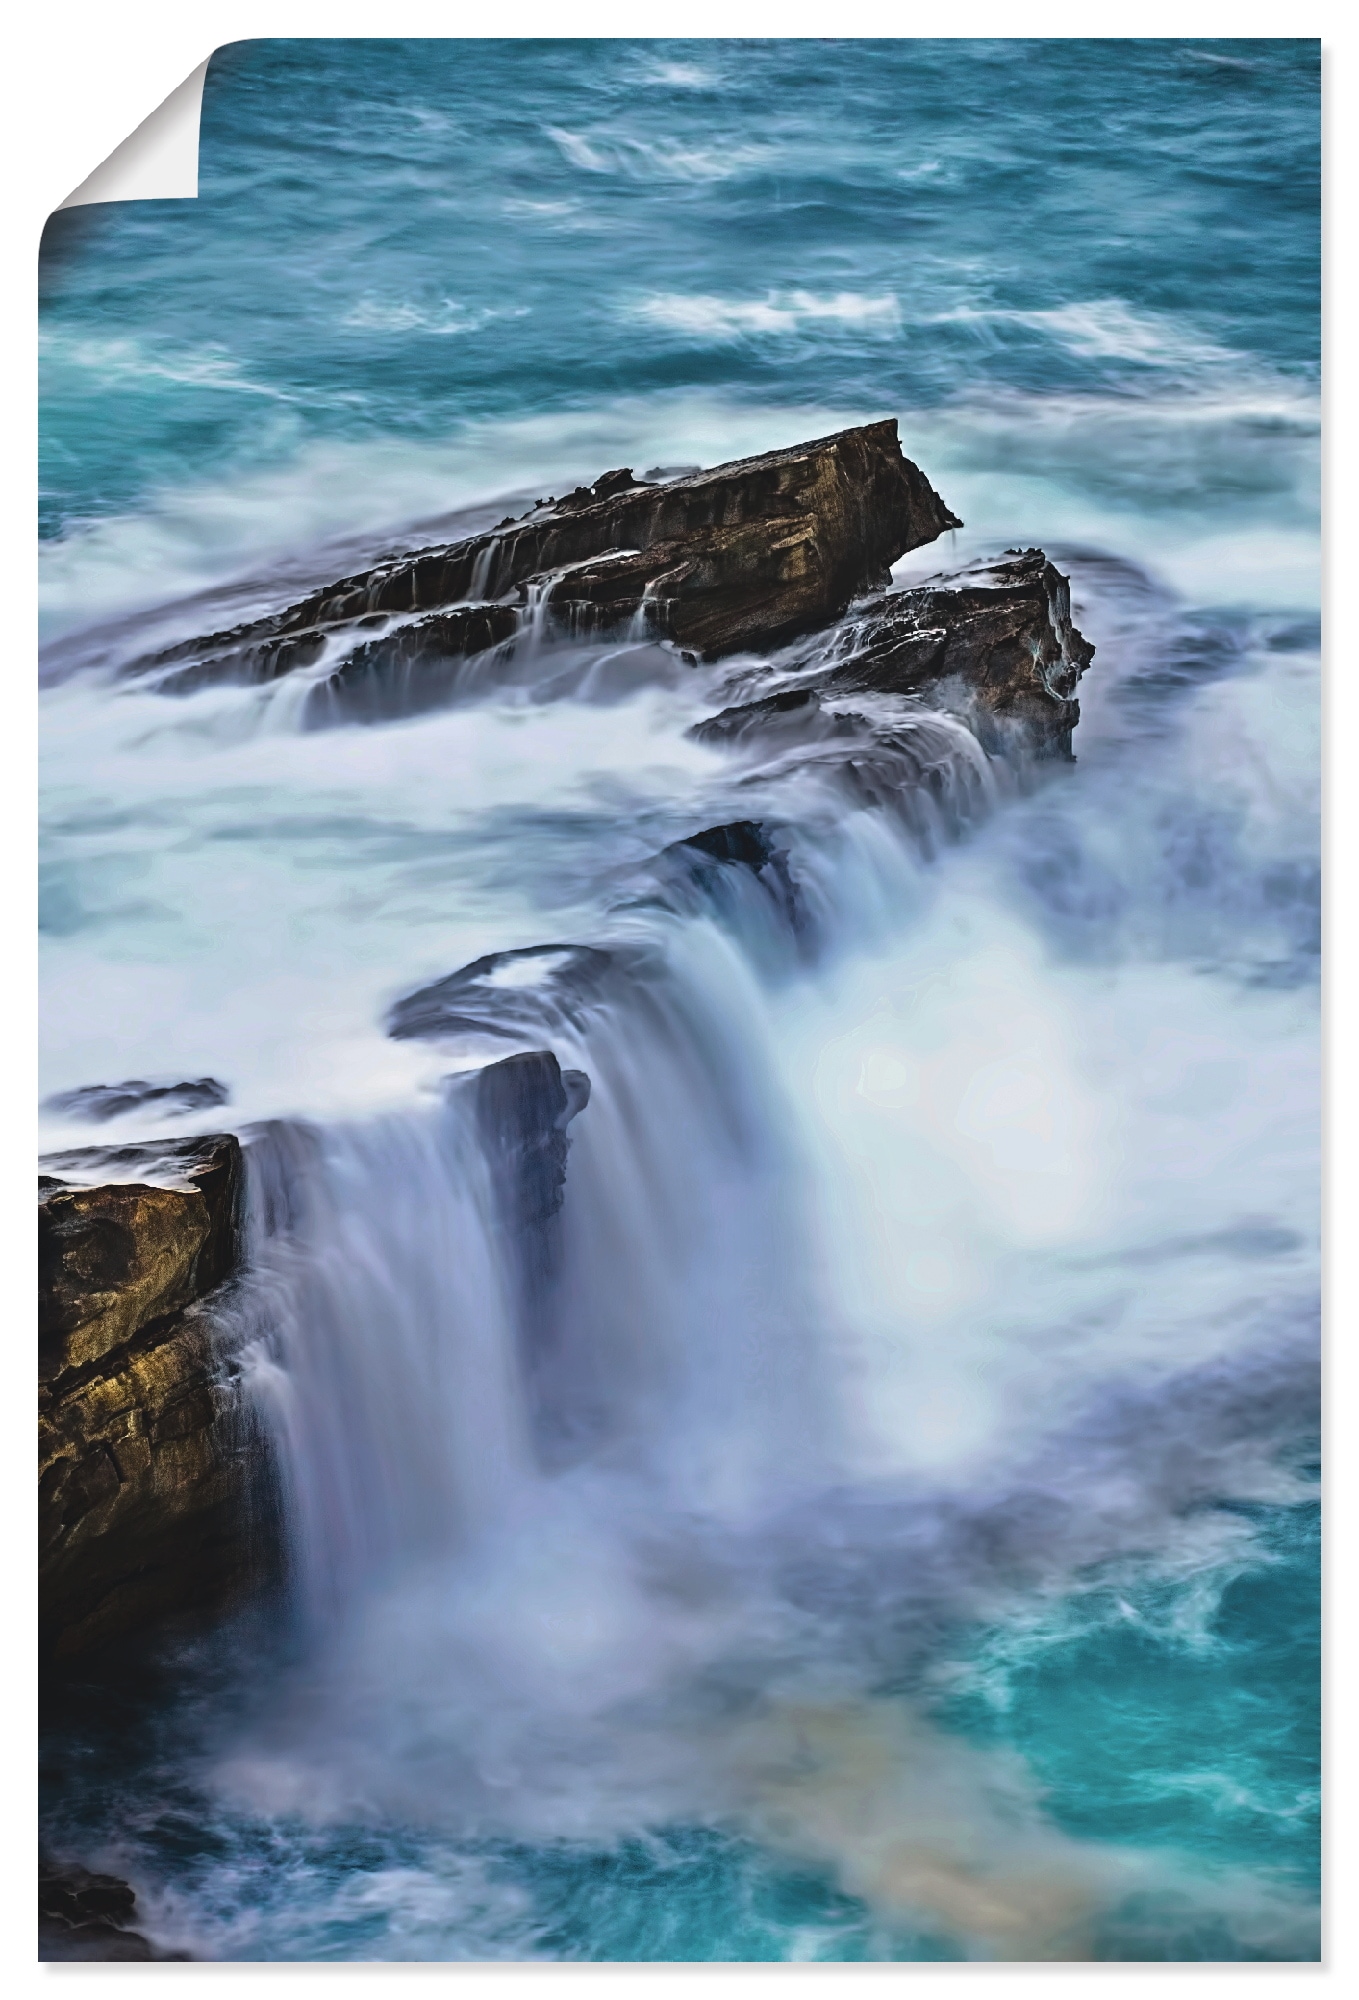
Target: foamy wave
[1110,329]
[706,316]
[406,316]
[127,360]
[515,205]
[667,159]
[677,75]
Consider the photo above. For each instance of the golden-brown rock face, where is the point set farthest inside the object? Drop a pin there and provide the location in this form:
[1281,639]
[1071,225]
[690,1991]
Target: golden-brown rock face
[744,555]
[145,1462]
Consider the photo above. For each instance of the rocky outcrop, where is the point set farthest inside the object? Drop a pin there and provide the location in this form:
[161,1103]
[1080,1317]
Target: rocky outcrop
[524,1105]
[540,989]
[146,1475]
[746,555]
[86,1918]
[993,644]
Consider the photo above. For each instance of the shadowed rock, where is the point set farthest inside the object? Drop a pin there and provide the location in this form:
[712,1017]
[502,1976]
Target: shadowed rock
[793,715]
[85,1919]
[704,858]
[508,994]
[995,642]
[748,554]
[145,1477]
[994,645]
[99,1102]
[523,1106]
[412,668]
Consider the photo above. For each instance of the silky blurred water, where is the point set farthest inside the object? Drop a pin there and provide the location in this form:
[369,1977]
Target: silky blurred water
[993,1632]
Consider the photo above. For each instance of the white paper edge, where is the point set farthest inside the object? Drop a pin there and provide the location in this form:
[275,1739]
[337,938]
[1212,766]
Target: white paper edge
[157,162]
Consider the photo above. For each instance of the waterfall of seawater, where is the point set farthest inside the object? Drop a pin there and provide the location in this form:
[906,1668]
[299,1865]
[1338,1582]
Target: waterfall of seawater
[798,1261]
[843,1488]
[437,1358]
[599,1486]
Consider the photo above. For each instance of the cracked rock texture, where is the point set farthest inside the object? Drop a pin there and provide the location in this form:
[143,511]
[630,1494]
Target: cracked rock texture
[746,555]
[147,1471]
[992,644]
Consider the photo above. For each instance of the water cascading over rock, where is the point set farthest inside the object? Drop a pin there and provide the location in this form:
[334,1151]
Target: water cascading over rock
[898,701]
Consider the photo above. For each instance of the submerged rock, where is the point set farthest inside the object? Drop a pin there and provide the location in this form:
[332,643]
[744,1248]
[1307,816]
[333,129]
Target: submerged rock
[742,841]
[524,1105]
[704,858]
[100,1102]
[745,555]
[145,1478]
[511,995]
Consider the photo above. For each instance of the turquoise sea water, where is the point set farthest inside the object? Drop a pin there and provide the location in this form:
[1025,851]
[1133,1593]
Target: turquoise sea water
[421,276]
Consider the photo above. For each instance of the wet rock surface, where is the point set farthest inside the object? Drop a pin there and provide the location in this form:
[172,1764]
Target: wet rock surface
[146,1475]
[98,1103]
[993,644]
[88,1918]
[705,860]
[745,555]
[510,995]
[523,1107]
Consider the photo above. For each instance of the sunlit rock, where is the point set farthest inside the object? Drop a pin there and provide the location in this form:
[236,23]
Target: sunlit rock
[146,1470]
[746,555]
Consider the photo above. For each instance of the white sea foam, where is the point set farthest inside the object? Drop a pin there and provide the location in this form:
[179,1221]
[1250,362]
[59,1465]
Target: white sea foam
[709,317]
[372,315]
[1109,329]
[609,151]
[673,75]
[104,361]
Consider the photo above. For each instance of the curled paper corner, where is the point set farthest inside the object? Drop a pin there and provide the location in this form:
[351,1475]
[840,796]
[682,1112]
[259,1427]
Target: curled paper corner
[157,162]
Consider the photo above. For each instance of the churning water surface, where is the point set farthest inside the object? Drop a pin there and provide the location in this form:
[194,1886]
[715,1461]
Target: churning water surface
[910,1549]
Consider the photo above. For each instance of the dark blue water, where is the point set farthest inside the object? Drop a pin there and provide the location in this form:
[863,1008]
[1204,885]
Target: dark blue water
[1084,275]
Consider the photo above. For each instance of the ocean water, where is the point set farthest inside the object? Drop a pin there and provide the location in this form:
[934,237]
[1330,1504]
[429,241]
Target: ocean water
[914,1556]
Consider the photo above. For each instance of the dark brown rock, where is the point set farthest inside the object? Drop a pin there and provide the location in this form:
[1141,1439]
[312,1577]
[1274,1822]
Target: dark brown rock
[746,555]
[145,1469]
[994,645]
[996,642]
